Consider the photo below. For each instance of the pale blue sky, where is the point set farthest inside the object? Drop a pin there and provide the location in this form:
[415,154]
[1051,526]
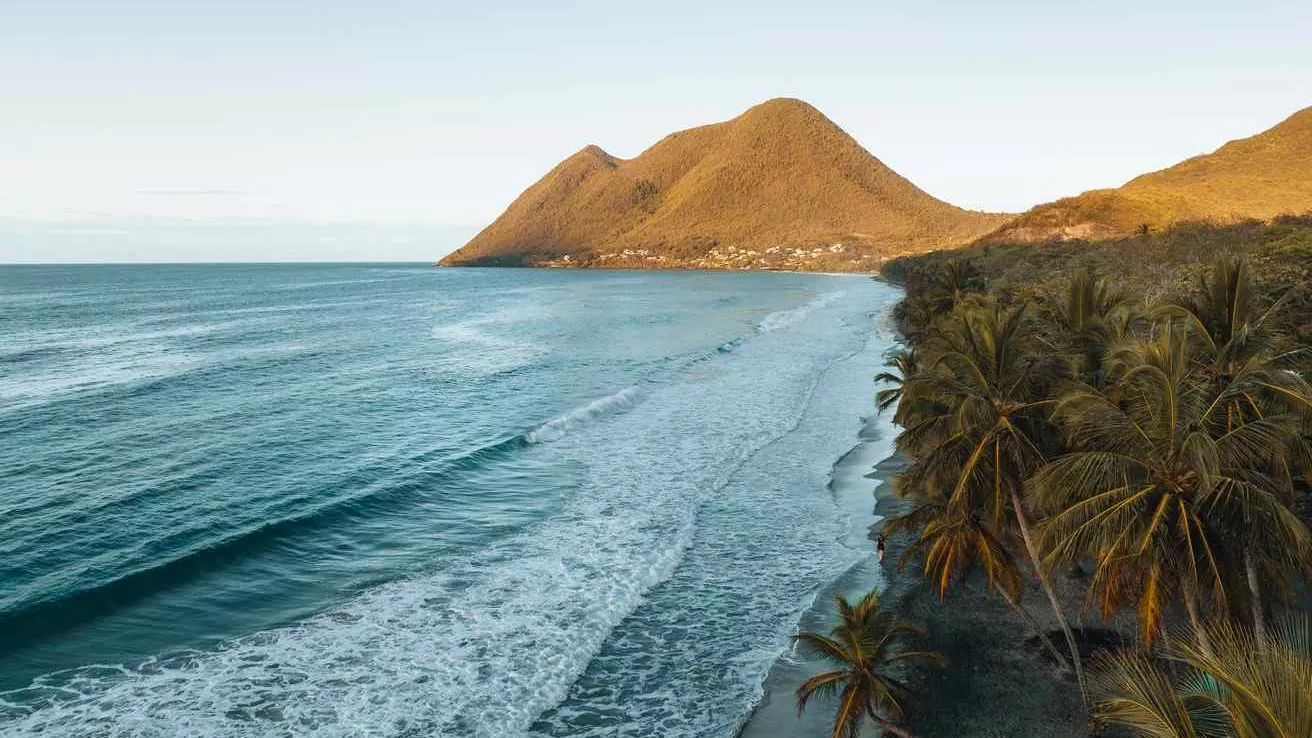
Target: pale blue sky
[434,115]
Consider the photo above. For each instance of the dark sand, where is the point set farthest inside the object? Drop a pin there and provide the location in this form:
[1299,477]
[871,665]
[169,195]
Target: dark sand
[996,685]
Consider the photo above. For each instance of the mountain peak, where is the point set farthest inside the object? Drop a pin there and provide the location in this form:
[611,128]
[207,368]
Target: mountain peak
[784,105]
[785,111]
[779,186]
[593,151]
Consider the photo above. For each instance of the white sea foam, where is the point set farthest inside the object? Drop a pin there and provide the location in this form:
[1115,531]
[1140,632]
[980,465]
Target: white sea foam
[94,372]
[492,351]
[416,657]
[691,660]
[121,366]
[556,428]
[785,318]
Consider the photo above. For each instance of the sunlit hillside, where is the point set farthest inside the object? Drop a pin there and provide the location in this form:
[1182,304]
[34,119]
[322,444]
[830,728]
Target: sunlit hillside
[778,185]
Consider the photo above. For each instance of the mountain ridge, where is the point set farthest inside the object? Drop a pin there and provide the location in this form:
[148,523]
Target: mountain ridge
[1258,177]
[779,186]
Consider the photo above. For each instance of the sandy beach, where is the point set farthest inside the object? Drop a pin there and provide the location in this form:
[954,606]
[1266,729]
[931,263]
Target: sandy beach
[997,683]
[776,715]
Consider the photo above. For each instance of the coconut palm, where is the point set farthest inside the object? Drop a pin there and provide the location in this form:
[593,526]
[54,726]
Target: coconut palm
[904,363]
[982,432]
[1241,686]
[953,544]
[939,289]
[1235,339]
[1237,342]
[862,646]
[948,284]
[1092,317]
[1161,494]
[1228,319]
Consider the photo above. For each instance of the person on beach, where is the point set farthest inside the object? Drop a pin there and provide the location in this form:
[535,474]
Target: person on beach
[879,548]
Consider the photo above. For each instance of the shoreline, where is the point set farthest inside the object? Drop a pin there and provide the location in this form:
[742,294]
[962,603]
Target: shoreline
[775,714]
[873,272]
[996,683]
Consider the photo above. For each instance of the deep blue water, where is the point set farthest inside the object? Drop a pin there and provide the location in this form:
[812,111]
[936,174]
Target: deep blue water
[345,500]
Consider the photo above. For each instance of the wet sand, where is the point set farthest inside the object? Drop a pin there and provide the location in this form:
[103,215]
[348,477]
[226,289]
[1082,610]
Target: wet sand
[997,684]
[776,716]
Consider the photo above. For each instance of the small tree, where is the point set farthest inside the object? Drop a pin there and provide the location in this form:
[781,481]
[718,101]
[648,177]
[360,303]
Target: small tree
[863,644]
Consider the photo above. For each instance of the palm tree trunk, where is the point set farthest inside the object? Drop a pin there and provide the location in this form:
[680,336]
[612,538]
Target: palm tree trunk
[1038,630]
[1033,551]
[890,727]
[1255,597]
[1196,621]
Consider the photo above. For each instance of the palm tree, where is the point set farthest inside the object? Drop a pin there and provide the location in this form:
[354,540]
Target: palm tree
[905,364]
[954,543]
[1237,342]
[1235,339]
[948,284]
[939,289]
[862,646]
[985,382]
[1159,493]
[1239,687]
[1091,318]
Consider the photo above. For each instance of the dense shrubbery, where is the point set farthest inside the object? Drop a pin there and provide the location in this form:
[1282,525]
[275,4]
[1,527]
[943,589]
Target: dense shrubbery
[1155,266]
[1122,407]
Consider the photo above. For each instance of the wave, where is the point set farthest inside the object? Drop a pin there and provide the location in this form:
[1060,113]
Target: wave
[34,620]
[785,318]
[556,428]
[478,651]
[129,373]
[641,578]
[486,352]
[766,533]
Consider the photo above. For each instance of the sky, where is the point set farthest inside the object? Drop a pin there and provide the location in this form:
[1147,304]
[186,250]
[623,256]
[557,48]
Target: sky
[126,128]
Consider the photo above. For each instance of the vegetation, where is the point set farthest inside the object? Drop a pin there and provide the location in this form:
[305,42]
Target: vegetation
[644,194]
[1241,687]
[1155,267]
[863,646]
[1143,422]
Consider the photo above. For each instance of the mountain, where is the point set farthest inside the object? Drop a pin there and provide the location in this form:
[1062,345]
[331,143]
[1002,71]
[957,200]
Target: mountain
[780,186]
[1260,177]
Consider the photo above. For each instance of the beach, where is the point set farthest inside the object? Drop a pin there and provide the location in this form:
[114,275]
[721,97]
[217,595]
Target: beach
[997,683]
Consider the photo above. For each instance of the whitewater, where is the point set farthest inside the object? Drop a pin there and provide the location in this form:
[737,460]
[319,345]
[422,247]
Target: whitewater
[388,500]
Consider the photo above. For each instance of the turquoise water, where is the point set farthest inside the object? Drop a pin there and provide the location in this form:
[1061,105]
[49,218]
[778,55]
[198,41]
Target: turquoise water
[344,500]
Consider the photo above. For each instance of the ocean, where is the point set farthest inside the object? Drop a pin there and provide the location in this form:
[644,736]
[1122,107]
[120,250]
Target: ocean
[392,500]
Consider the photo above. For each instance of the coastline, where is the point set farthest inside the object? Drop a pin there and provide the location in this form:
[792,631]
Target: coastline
[775,713]
[997,682]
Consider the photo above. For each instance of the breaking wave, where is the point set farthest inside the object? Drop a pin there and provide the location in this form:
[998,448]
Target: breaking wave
[683,524]
[556,428]
[785,318]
